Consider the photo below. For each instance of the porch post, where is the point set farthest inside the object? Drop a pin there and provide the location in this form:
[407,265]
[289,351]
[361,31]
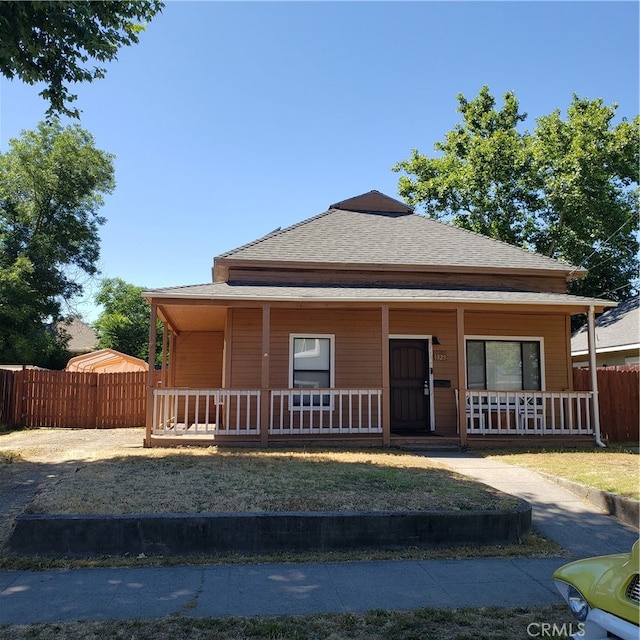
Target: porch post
[591,342]
[151,372]
[165,344]
[462,376]
[384,346]
[265,409]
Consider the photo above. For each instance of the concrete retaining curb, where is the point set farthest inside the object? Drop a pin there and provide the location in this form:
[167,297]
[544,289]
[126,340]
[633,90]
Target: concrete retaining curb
[626,510]
[184,534]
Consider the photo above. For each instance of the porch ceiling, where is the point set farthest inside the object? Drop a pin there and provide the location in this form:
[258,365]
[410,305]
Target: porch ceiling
[193,318]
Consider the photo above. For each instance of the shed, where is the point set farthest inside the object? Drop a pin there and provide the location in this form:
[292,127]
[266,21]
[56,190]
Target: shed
[106,361]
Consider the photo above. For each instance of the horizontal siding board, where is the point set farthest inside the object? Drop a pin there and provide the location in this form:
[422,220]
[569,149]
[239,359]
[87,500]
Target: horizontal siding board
[302,276]
[198,360]
[550,327]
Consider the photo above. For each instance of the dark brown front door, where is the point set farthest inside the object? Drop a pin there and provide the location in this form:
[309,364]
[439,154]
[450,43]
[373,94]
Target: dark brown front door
[409,386]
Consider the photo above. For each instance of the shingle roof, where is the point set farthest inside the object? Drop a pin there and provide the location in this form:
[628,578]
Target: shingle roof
[617,328]
[81,336]
[340,293]
[389,238]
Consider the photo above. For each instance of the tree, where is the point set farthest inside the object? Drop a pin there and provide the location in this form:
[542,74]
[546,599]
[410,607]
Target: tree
[568,190]
[588,171]
[51,184]
[51,42]
[124,323]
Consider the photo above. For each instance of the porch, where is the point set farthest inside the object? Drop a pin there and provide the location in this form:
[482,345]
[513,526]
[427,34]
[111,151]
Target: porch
[260,416]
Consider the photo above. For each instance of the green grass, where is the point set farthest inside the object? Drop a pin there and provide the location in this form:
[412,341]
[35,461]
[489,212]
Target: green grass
[615,469]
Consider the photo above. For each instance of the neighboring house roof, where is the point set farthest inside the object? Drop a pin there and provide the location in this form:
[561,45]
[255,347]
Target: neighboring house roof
[106,361]
[82,337]
[616,330]
[373,229]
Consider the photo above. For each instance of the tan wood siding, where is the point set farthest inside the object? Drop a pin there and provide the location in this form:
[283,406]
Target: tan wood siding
[441,324]
[556,284]
[245,348]
[551,327]
[358,362]
[197,360]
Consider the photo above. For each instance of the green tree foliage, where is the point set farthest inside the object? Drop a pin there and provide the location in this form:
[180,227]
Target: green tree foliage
[588,172]
[568,190]
[52,182]
[53,42]
[124,323]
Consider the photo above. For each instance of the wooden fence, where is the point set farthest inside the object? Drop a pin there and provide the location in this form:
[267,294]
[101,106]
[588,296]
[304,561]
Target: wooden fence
[619,396]
[6,397]
[35,398]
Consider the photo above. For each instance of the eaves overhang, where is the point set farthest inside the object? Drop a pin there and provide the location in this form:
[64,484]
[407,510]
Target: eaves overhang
[610,349]
[570,273]
[221,293]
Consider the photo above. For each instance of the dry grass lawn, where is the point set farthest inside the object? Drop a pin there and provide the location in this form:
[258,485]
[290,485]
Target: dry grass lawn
[98,472]
[108,471]
[244,480]
[491,623]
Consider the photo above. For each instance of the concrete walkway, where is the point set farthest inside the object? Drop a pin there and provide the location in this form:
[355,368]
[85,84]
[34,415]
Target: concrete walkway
[560,515]
[270,589]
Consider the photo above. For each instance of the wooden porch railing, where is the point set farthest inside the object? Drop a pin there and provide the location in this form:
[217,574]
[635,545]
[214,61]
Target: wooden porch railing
[528,412]
[179,412]
[323,411]
[201,412]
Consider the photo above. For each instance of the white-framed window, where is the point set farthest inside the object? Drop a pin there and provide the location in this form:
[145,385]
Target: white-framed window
[505,364]
[311,366]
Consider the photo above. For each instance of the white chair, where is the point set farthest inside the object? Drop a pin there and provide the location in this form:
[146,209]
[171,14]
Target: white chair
[531,413]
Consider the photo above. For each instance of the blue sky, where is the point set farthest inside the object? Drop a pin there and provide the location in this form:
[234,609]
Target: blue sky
[230,119]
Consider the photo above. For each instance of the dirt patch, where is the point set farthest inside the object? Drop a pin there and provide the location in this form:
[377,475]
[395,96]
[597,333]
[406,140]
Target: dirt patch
[67,445]
[33,460]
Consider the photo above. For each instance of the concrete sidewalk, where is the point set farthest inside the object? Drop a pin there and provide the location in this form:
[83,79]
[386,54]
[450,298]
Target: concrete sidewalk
[271,589]
[578,526]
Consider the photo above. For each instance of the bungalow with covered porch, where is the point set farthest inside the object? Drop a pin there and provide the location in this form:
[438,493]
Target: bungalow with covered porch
[370,324]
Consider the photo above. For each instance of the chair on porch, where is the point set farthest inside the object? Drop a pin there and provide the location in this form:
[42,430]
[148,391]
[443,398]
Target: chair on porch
[531,413]
[474,413]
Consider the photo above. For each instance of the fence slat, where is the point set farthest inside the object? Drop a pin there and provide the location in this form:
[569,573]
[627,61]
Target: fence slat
[6,397]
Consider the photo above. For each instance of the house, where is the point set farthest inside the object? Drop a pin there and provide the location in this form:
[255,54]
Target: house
[370,324]
[106,361]
[617,337]
[82,338]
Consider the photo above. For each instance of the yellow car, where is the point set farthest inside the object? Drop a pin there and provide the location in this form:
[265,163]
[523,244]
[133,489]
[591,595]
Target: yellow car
[604,595]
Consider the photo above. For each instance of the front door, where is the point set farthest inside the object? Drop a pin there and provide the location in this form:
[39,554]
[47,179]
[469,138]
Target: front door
[409,386]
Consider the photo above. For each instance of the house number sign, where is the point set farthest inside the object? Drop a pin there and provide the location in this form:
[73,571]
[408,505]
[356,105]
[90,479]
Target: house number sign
[439,355]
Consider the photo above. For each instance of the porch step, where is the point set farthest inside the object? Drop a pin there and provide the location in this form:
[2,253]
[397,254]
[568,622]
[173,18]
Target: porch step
[418,448]
[425,443]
